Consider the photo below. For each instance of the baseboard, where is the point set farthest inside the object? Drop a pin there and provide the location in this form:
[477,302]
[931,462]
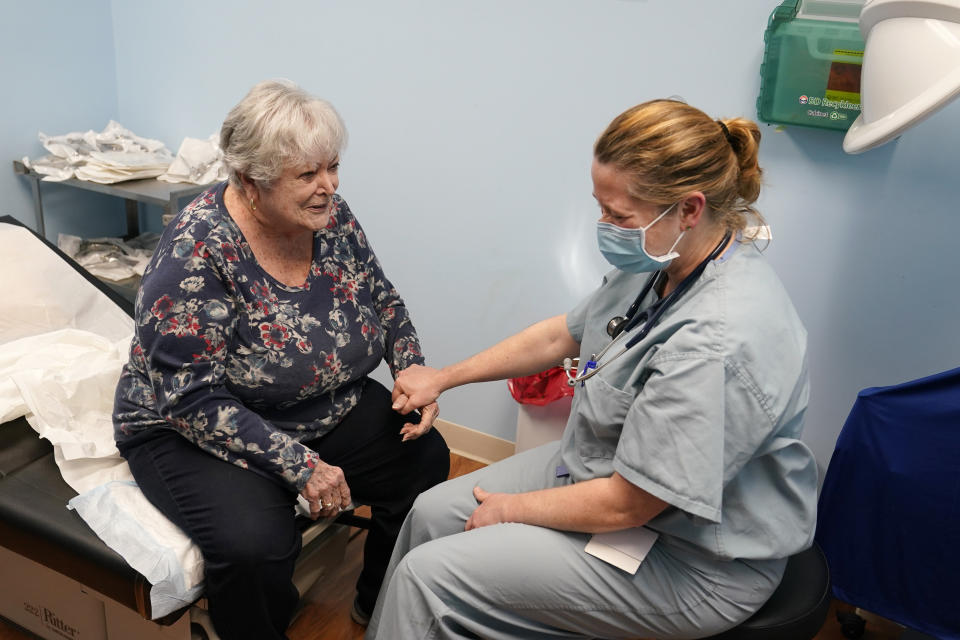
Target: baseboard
[473,444]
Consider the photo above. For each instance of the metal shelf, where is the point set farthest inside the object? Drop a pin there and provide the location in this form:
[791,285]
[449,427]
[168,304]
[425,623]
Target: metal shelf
[166,195]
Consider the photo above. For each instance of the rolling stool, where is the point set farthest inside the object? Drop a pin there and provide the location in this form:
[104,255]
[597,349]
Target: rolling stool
[798,607]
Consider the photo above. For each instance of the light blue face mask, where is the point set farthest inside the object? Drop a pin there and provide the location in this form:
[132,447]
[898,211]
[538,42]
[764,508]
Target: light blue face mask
[625,248]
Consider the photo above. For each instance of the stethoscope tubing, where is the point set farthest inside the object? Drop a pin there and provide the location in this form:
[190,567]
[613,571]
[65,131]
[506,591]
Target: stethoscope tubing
[651,318]
[592,371]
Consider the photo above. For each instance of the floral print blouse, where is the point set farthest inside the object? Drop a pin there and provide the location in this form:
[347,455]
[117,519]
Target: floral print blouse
[247,367]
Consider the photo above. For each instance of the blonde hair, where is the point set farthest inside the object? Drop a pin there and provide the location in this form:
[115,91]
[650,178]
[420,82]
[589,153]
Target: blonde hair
[670,149]
[275,125]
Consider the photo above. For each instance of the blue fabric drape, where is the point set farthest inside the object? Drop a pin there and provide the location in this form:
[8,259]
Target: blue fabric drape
[889,511]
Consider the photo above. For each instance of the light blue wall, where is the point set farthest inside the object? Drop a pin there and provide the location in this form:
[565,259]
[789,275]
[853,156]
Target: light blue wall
[471,126]
[58,75]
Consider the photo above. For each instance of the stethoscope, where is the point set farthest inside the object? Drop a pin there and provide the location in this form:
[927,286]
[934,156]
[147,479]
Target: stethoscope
[621,325]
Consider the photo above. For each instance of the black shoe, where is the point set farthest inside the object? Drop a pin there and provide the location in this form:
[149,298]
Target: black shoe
[358,615]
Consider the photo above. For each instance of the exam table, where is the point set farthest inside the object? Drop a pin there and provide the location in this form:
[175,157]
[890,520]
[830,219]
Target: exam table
[889,510]
[58,579]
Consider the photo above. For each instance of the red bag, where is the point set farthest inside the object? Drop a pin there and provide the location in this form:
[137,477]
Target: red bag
[541,388]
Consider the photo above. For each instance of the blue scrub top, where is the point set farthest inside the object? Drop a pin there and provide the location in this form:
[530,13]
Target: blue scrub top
[704,413]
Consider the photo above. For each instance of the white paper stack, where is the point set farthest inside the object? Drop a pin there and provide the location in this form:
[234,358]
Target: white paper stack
[112,155]
[198,161]
[107,167]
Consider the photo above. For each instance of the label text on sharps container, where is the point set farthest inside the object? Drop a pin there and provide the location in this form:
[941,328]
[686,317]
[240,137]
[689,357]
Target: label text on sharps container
[840,104]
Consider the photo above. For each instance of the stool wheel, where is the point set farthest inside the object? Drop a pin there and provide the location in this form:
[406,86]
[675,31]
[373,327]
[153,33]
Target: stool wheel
[851,625]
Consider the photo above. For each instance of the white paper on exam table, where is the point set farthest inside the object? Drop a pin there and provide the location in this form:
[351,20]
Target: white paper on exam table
[42,293]
[61,349]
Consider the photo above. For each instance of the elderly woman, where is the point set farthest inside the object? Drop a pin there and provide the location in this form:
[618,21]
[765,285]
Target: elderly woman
[258,321]
[685,421]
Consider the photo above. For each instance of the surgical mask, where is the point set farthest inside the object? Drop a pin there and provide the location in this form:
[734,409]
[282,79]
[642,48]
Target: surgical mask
[626,248]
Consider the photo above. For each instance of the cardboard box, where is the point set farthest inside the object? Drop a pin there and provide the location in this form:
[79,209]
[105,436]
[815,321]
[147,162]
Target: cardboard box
[56,607]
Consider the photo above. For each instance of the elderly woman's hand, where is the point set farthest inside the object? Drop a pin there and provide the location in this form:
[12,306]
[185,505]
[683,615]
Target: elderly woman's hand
[428,414]
[326,491]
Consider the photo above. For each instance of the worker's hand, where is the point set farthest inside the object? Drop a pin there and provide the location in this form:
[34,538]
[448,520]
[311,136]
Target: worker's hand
[326,491]
[415,387]
[428,414]
[492,509]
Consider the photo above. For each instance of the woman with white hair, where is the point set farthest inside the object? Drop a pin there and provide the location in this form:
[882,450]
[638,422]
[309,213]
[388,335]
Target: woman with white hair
[258,321]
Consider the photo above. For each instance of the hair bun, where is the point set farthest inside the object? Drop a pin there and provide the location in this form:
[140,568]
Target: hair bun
[668,149]
[744,137]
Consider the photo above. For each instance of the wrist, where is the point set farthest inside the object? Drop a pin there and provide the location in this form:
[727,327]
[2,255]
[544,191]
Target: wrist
[513,507]
[447,379]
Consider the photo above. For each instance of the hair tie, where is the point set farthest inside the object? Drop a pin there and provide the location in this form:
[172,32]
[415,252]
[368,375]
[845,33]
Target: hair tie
[730,139]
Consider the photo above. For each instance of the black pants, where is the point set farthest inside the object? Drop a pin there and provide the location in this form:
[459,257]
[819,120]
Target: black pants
[243,522]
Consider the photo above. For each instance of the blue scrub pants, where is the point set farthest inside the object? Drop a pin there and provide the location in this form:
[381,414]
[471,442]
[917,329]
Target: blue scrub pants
[511,580]
[243,522]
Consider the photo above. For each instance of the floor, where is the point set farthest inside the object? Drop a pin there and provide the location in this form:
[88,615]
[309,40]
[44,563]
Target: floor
[326,612]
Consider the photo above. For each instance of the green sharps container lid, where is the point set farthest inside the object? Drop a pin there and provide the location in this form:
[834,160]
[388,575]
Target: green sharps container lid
[812,58]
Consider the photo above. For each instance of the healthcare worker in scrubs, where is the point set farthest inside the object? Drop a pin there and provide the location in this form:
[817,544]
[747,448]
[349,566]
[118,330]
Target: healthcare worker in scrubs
[686,418]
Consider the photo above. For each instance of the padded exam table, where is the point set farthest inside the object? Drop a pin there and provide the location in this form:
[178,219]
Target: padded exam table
[58,579]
